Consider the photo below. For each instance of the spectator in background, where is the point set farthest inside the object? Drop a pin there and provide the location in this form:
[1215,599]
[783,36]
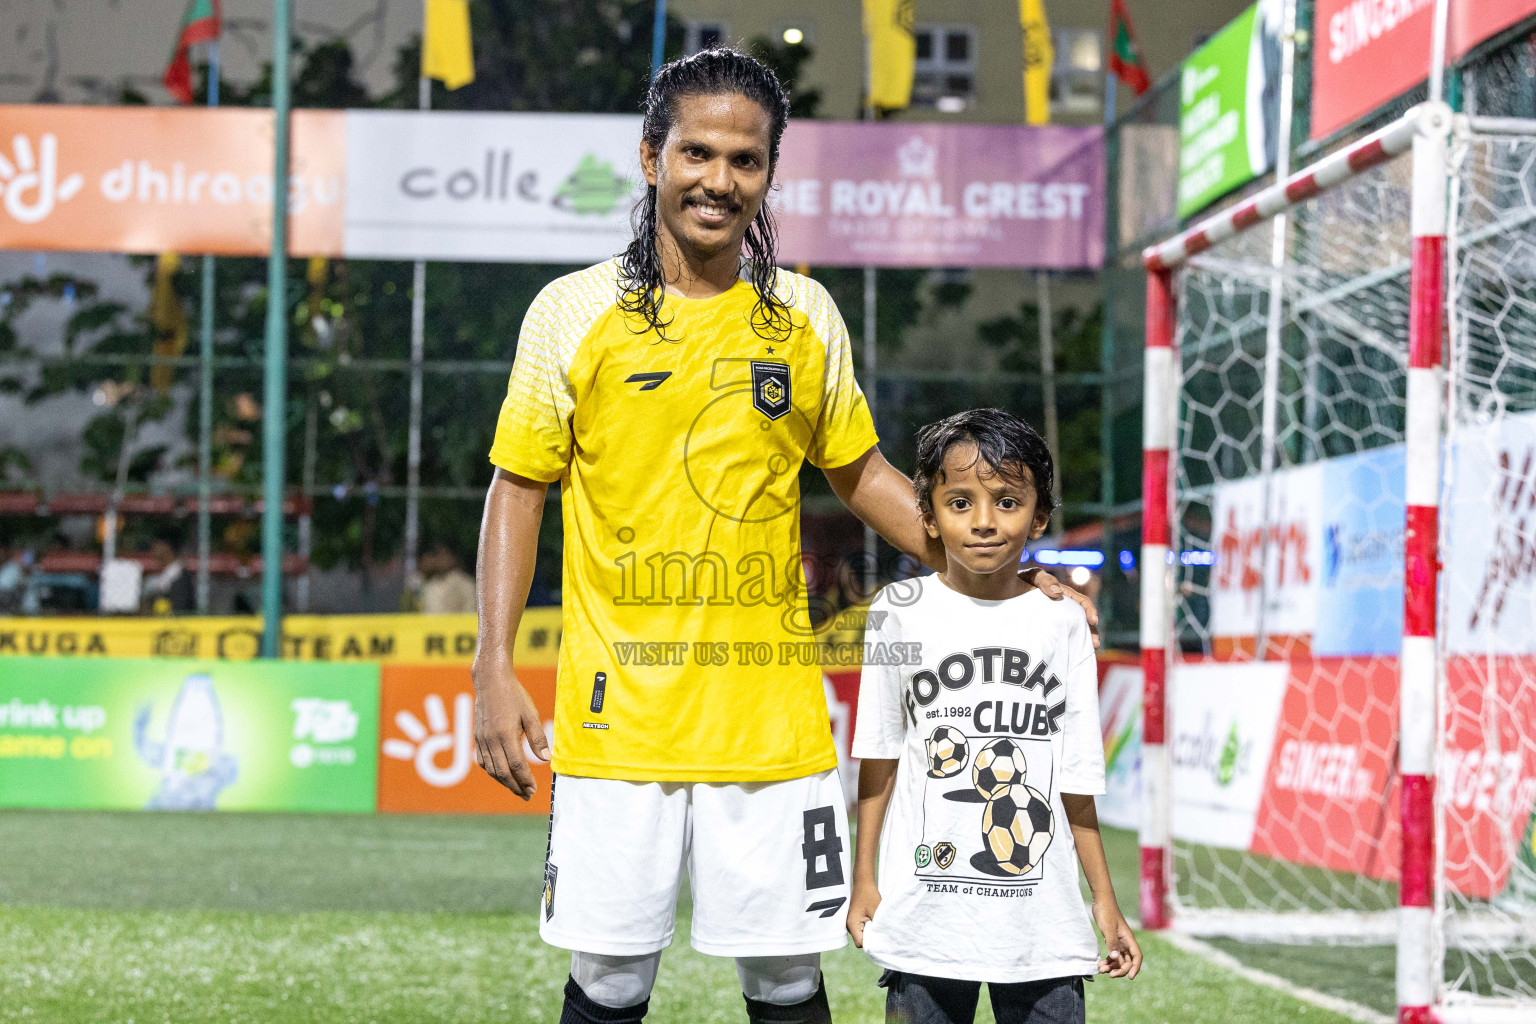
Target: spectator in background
[170,591]
[446,589]
[13,581]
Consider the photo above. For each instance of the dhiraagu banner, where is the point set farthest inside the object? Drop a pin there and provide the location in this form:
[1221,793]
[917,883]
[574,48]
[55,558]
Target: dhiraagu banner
[171,735]
[1229,107]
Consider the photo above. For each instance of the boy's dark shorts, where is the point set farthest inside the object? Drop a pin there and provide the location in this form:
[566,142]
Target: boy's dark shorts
[919,999]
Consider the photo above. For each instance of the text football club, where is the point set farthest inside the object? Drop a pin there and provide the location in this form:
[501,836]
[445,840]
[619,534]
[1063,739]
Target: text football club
[1006,665]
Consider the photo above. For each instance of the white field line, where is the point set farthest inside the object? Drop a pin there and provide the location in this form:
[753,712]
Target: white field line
[1343,1007]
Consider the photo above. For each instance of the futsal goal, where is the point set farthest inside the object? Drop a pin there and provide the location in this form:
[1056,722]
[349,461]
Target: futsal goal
[1338,572]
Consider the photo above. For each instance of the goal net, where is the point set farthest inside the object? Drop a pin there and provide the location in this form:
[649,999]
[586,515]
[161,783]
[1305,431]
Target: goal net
[1339,602]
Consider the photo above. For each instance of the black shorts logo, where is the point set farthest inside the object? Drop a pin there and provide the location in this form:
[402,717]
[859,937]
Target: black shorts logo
[770,389]
[550,873]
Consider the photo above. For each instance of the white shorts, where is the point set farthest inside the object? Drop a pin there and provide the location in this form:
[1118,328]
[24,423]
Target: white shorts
[767,865]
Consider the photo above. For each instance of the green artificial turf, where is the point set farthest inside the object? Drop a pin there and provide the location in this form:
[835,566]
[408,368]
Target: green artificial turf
[134,918]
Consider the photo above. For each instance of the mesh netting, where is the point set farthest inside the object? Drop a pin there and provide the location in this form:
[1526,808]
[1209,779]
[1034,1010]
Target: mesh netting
[1285,798]
[1487,761]
[1289,589]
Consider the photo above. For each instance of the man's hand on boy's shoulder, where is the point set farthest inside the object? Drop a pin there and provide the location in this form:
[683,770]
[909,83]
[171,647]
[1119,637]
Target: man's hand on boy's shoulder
[861,910]
[1055,590]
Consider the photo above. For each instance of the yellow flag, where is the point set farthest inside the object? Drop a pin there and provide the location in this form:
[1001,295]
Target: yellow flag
[1039,57]
[892,49]
[446,53]
[169,320]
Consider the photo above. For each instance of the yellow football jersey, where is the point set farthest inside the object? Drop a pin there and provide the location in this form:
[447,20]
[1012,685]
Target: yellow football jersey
[686,653]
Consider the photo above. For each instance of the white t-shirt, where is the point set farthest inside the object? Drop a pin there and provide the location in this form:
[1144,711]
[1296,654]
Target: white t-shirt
[992,709]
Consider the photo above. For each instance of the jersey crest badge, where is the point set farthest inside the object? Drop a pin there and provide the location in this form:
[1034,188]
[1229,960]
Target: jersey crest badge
[770,389]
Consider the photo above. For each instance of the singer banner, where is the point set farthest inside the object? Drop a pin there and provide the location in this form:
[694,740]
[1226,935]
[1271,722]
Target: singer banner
[1369,51]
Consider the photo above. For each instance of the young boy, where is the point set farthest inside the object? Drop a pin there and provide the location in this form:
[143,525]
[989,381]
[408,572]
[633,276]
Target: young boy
[978,727]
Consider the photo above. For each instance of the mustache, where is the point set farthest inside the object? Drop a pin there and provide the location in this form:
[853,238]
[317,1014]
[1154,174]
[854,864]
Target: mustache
[697,199]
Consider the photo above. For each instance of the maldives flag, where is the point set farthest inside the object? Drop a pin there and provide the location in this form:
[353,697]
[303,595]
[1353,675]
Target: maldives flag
[199,24]
[1124,55]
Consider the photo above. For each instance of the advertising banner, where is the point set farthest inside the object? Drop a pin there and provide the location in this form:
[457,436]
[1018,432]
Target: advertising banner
[388,639]
[1331,795]
[426,735]
[1490,569]
[954,195]
[507,187]
[1360,595]
[520,187]
[1330,798]
[1222,718]
[1367,52]
[1229,107]
[175,735]
[1120,719]
[1291,569]
[145,180]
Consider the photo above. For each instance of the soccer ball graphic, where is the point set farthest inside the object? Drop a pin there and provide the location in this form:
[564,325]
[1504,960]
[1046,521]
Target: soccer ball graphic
[998,765]
[1017,827]
[947,752]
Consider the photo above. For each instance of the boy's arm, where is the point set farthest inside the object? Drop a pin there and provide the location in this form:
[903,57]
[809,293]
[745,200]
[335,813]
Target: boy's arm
[1123,954]
[877,778]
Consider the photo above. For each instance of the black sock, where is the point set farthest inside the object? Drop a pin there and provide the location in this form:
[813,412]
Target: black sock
[579,1009]
[813,1011]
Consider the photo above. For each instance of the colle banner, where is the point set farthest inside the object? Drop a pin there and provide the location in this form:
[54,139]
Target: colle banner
[525,187]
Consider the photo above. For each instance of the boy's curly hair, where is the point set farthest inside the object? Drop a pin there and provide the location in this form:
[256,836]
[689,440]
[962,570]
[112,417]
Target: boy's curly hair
[1003,441]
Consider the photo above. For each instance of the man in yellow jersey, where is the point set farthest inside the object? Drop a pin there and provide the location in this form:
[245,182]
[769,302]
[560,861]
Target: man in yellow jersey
[674,392]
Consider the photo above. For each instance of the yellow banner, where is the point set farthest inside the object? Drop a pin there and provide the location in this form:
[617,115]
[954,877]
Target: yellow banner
[891,52]
[1039,58]
[390,639]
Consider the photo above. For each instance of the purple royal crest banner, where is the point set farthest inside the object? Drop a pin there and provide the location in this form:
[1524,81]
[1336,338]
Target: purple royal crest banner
[934,194]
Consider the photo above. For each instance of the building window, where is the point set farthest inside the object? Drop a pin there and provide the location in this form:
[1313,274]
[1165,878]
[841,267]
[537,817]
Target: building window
[701,35]
[1077,78]
[944,75]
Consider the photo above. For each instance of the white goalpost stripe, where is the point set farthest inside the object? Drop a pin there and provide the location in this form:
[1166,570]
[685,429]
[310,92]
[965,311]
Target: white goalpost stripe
[1430,177]
[1154,800]
[1425,389]
[1154,597]
[1342,1007]
[1416,750]
[1158,395]
[1415,927]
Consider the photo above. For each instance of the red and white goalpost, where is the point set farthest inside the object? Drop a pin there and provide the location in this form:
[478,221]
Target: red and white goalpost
[1301,437]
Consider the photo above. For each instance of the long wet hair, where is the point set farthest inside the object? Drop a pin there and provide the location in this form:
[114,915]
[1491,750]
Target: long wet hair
[711,72]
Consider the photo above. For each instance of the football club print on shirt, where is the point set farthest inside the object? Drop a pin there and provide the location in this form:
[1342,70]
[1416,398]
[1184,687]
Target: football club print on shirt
[986,813]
